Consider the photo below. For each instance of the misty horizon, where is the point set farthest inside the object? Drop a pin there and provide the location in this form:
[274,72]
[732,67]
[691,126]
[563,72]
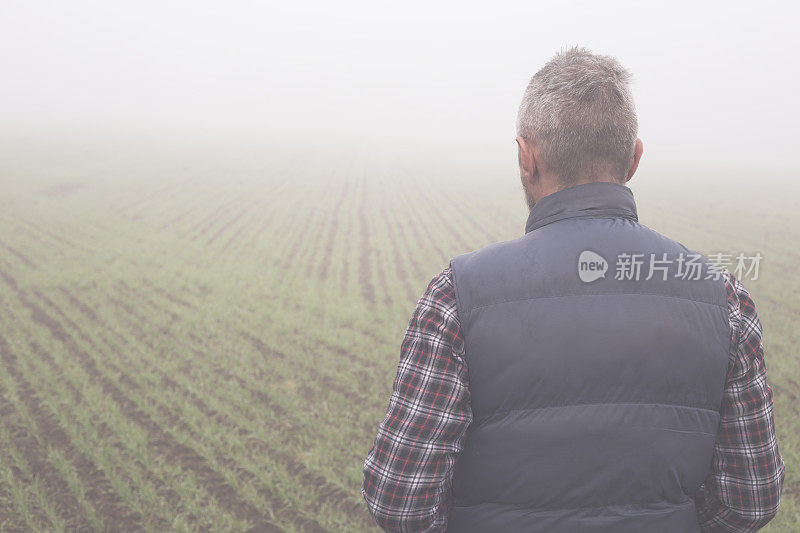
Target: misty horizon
[712,90]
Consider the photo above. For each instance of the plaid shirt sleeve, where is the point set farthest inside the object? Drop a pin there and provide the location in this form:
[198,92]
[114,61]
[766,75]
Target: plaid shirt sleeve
[408,471]
[743,489]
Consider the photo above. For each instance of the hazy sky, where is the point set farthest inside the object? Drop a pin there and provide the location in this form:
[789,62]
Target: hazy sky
[713,81]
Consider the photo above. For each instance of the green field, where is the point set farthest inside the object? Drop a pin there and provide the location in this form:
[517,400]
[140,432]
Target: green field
[209,345]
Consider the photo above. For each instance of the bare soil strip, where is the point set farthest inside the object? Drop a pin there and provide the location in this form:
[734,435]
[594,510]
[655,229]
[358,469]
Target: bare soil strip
[411,253]
[223,210]
[364,259]
[178,218]
[138,298]
[143,199]
[259,205]
[327,492]
[276,225]
[396,242]
[329,240]
[288,260]
[309,369]
[159,439]
[419,226]
[173,299]
[10,281]
[243,210]
[445,222]
[103,431]
[345,278]
[28,231]
[236,236]
[275,502]
[205,222]
[197,463]
[60,190]
[305,239]
[28,263]
[57,490]
[115,515]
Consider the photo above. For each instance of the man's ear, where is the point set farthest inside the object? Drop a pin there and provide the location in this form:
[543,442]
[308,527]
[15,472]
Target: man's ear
[637,155]
[527,161]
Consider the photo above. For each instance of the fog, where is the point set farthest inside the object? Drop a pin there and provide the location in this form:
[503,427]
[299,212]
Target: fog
[715,82]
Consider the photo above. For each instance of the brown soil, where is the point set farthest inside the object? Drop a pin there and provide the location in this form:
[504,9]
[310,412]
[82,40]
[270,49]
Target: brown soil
[212,481]
[10,281]
[159,439]
[189,458]
[445,222]
[242,211]
[333,227]
[364,262]
[219,214]
[397,242]
[327,493]
[60,190]
[115,515]
[28,263]
[178,218]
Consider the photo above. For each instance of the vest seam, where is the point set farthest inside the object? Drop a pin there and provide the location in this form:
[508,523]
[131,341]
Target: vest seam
[459,302]
[527,508]
[481,419]
[595,294]
[560,217]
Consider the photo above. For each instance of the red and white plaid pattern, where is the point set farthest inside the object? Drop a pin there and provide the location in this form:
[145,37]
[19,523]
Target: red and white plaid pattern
[743,489]
[408,471]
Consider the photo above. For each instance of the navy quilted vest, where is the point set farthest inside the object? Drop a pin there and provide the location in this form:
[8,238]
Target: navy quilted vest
[595,403]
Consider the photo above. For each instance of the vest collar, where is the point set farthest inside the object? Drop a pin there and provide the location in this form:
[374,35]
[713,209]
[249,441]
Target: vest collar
[597,199]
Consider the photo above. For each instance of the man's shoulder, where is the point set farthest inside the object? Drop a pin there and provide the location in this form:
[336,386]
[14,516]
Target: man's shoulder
[674,246]
[498,252]
[492,251]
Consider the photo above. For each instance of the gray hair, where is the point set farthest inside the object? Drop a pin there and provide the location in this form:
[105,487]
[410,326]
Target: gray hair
[579,112]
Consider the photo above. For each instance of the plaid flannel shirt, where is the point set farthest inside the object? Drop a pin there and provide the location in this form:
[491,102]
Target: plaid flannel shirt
[408,471]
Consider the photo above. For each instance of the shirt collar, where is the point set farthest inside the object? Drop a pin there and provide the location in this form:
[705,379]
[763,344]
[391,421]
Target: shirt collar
[596,199]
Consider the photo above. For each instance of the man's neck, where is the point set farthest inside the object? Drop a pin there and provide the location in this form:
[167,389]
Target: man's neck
[551,185]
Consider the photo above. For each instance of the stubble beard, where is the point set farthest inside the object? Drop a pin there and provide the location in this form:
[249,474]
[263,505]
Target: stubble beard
[528,196]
